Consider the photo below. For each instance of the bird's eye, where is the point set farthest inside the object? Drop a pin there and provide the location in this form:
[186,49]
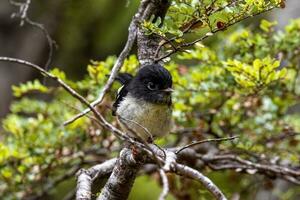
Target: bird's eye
[152,86]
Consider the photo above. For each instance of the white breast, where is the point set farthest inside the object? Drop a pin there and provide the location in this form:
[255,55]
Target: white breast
[144,118]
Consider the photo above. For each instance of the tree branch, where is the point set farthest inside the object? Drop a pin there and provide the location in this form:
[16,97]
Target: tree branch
[165,183]
[196,175]
[85,178]
[121,180]
[239,163]
[23,15]
[148,44]
[205,141]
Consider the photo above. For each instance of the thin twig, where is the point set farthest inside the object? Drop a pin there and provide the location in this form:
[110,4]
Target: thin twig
[23,15]
[165,183]
[205,141]
[50,41]
[139,125]
[155,157]
[264,167]
[196,175]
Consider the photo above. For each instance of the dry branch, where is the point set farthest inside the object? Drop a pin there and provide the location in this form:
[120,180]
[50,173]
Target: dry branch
[165,183]
[121,180]
[207,183]
[205,141]
[23,16]
[85,178]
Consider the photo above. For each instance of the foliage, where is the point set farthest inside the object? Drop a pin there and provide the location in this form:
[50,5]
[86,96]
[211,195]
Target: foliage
[243,85]
[189,18]
[262,72]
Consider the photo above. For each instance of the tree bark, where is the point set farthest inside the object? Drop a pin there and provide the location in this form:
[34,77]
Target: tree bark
[122,178]
[148,44]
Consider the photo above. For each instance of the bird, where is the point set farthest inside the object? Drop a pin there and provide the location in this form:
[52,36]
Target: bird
[143,104]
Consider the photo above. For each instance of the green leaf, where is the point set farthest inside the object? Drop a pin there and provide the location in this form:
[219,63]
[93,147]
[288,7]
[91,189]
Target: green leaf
[30,86]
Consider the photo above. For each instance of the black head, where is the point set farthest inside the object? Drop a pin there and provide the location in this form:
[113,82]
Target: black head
[153,83]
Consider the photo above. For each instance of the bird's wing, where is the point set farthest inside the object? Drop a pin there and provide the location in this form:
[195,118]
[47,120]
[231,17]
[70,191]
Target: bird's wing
[124,79]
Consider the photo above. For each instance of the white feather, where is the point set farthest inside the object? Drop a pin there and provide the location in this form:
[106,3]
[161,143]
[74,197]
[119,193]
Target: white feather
[139,115]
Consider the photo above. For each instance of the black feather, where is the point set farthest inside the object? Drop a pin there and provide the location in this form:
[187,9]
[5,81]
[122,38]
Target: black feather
[159,76]
[138,86]
[124,79]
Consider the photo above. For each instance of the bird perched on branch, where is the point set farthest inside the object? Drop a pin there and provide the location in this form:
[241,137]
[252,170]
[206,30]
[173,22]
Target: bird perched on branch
[143,104]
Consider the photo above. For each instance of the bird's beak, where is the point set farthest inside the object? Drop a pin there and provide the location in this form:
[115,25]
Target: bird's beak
[168,90]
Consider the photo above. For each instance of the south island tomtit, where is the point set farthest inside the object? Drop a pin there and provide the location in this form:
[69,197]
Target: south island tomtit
[144,102]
